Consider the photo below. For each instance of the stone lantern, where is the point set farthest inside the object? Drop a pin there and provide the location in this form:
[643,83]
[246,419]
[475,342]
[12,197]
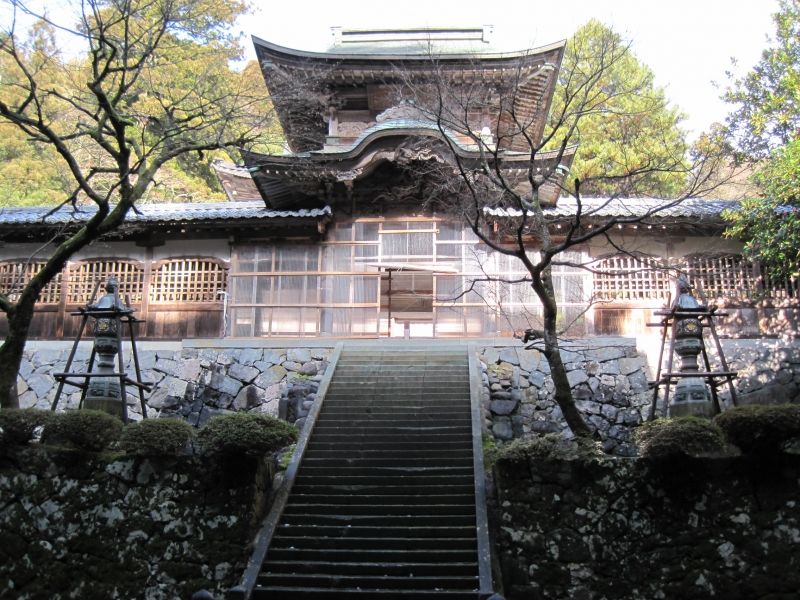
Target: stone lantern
[106,390]
[691,396]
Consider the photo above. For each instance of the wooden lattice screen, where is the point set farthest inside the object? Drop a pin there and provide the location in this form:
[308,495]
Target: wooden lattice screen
[722,276]
[627,277]
[83,277]
[188,280]
[15,274]
[780,287]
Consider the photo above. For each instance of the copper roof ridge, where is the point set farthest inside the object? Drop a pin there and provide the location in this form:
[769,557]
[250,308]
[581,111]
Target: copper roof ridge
[376,57]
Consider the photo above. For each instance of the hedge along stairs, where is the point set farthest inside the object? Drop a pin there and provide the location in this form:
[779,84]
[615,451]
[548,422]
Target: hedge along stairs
[384,503]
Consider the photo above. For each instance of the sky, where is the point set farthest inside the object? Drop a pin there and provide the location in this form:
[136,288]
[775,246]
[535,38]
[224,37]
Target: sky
[688,44]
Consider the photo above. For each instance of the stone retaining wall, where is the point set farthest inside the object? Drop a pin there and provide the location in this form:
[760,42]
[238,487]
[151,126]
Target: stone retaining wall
[82,525]
[628,529]
[193,383]
[609,384]
[609,378]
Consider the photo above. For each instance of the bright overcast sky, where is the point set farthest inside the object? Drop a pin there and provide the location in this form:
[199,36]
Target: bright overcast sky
[687,43]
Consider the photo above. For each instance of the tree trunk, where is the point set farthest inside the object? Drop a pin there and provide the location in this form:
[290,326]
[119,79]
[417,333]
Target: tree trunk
[552,352]
[19,321]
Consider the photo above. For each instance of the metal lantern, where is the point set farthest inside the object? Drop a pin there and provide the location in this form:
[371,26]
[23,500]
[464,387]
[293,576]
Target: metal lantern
[104,387]
[691,395]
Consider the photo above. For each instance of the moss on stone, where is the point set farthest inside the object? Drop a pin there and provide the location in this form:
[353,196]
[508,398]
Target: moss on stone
[85,429]
[760,428]
[18,425]
[156,437]
[245,434]
[679,436]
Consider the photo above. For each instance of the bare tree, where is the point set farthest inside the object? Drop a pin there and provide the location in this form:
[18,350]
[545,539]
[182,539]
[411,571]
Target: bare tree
[500,171]
[152,85]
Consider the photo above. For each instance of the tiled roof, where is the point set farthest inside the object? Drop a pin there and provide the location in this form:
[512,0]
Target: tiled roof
[631,207]
[236,181]
[158,213]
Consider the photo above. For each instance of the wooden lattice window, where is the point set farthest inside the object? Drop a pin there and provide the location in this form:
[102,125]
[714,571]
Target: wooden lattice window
[188,280]
[631,277]
[83,277]
[779,287]
[14,275]
[722,275]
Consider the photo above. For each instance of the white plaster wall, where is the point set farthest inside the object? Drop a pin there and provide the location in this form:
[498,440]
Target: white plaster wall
[217,248]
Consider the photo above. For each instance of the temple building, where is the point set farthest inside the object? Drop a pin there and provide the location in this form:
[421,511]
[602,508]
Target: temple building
[343,235]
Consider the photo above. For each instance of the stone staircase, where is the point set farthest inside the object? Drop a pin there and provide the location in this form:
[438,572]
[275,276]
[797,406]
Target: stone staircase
[383,505]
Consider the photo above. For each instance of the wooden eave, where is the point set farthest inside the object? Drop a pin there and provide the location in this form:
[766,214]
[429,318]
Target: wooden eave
[301,181]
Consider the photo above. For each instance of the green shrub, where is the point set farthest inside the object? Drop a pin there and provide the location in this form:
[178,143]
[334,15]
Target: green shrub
[760,428]
[156,437]
[679,436]
[18,424]
[249,434]
[85,429]
[551,446]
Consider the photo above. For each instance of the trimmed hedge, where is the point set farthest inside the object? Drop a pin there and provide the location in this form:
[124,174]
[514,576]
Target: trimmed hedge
[156,437]
[679,436]
[248,434]
[86,429]
[551,446]
[760,428]
[18,424]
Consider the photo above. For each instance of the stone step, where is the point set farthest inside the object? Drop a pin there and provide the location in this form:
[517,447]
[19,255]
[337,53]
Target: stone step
[417,479]
[329,581]
[307,593]
[373,543]
[342,368]
[389,439]
[388,462]
[383,452]
[379,520]
[392,569]
[416,407]
[367,422]
[337,508]
[322,427]
[376,555]
[413,412]
[362,499]
[382,489]
[379,400]
[376,532]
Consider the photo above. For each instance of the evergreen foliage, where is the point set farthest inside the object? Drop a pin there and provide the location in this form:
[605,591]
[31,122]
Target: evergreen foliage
[760,428]
[247,434]
[552,446]
[628,135]
[763,128]
[679,436]
[91,430]
[156,437]
[18,425]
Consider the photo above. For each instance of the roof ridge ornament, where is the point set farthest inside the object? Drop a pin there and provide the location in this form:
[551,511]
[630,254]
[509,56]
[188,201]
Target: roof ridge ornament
[343,36]
[405,110]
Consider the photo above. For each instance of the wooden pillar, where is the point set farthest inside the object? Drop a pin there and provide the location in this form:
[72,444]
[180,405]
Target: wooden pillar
[61,311]
[147,281]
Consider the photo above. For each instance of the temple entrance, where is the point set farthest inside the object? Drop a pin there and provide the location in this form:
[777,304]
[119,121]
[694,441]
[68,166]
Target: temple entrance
[406,301]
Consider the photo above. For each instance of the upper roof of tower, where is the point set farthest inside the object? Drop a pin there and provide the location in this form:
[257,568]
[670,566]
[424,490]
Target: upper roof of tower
[304,85]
